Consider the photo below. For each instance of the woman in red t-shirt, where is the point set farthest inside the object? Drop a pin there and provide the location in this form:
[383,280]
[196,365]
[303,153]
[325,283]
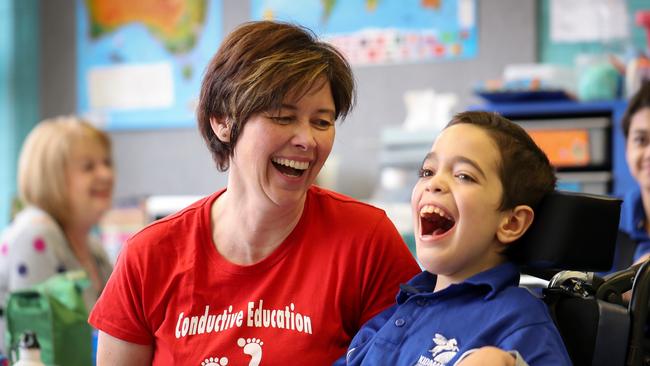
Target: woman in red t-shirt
[270,270]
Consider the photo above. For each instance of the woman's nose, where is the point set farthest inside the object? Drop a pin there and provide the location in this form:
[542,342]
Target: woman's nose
[106,171]
[304,136]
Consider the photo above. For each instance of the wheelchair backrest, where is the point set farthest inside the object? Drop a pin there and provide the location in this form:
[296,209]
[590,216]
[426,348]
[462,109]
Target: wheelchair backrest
[578,232]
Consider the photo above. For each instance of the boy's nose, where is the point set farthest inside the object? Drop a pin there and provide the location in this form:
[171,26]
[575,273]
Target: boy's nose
[437,184]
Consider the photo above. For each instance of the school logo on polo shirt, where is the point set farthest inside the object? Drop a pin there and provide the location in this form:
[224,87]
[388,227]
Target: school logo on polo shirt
[443,351]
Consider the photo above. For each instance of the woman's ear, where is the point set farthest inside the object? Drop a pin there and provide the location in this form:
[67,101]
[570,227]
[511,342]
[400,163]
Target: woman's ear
[515,223]
[221,128]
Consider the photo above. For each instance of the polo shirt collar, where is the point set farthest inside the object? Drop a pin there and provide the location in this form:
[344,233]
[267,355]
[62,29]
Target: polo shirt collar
[493,281]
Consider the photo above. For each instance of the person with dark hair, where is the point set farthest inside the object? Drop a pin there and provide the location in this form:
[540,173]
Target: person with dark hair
[271,270]
[636,203]
[475,198]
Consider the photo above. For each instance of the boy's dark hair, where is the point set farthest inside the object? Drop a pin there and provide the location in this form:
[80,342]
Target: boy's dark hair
[639,101]
[257,65]
[525,171]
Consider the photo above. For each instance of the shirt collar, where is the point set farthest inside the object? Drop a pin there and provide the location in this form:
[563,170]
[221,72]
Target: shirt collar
[492,281]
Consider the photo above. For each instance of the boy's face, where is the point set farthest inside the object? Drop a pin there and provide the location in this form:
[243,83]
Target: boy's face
[455,205]
[637,148]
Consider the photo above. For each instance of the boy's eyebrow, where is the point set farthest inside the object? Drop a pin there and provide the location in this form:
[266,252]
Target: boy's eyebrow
[430,155]
[455,160]
[471,162]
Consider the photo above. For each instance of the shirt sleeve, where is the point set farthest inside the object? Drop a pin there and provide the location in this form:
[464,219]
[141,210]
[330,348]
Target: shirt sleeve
[32,255]
[120,311]
[519,361]
[538,344]
[390,264]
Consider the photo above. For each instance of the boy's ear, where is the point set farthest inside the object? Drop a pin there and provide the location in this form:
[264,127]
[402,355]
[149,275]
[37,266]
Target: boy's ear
[515,223]
[221,128]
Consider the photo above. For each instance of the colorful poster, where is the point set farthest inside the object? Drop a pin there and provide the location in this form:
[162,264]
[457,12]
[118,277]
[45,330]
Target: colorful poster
[140,62]
[373,32]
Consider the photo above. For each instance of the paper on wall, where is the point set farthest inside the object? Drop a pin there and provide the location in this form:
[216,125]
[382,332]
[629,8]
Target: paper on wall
[588,20]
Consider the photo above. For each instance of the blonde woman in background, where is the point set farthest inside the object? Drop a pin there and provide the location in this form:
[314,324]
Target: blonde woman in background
[65,180]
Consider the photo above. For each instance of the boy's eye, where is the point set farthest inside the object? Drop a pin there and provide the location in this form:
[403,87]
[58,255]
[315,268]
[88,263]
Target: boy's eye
[322,124]
[422,173]
[465,177]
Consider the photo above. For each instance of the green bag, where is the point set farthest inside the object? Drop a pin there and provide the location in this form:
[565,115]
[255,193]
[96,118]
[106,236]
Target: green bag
[56,312]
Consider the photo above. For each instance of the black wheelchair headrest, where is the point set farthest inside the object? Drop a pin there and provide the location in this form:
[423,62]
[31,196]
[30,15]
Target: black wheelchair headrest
[570,231]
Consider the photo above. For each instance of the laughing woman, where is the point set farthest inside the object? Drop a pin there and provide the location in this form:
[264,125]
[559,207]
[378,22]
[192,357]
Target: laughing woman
[65,178]
[271,270]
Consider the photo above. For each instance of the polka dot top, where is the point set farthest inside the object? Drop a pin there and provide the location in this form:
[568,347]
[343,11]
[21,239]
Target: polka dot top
[33,248]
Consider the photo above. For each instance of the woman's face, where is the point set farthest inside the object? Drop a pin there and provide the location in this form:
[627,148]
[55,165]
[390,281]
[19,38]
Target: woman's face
[637,148]
[90,181]
[280,152]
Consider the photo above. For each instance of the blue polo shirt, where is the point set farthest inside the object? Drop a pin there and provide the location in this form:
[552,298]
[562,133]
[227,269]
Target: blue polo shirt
[633,222]
[436,329]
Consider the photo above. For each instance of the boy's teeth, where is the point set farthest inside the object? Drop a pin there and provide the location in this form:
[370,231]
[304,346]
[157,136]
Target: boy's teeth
[432,209]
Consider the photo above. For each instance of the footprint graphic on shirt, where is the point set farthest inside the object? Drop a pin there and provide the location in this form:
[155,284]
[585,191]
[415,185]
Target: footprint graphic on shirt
[215,361]
[253,348]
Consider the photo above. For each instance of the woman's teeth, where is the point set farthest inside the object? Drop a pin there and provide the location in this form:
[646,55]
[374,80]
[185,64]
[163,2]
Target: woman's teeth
[300,165]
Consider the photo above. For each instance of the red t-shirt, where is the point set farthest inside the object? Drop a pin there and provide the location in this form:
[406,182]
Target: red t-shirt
[171,288]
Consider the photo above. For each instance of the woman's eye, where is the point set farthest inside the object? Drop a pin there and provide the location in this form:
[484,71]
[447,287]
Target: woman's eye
[322,124]
[283,120]
[87,166]
[422,173]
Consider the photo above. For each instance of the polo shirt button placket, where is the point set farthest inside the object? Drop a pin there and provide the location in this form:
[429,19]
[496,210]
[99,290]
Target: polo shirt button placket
[400,322]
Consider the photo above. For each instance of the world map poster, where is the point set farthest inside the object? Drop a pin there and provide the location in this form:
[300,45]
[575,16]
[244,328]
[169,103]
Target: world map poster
[139,63]
[375,32]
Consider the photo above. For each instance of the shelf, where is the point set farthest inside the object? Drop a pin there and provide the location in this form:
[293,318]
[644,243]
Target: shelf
[551,108]
[606,171]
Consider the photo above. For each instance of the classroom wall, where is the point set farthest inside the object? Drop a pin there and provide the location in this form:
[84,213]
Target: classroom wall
[177,162]
[19,86]
[566,53]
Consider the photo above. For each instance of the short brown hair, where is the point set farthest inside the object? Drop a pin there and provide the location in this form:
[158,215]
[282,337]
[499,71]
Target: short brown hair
[258,64]
[44,159]
[525,171]
[639,101]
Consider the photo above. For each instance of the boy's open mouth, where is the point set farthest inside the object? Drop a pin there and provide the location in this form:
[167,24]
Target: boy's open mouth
[290,168]
[434,221]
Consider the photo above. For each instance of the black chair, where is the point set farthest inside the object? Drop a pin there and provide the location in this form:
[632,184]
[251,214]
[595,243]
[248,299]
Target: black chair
[573,236]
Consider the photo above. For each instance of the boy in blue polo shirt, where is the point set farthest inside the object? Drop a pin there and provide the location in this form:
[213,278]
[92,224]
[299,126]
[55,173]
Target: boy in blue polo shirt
[473,200]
